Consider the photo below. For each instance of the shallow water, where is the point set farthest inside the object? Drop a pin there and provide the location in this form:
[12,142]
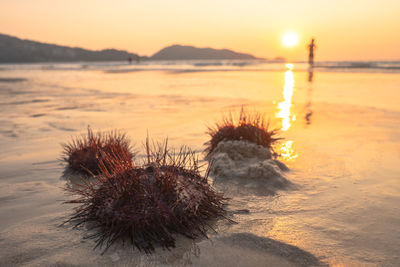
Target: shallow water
[341,141]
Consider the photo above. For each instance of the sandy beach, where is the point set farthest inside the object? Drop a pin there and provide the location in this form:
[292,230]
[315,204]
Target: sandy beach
[341,142]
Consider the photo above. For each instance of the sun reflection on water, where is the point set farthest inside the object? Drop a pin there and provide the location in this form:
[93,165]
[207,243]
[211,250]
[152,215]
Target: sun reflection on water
[289,66]
[286,151]
[284,106]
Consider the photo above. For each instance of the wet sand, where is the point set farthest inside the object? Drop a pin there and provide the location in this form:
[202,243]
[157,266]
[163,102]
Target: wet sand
[341,145]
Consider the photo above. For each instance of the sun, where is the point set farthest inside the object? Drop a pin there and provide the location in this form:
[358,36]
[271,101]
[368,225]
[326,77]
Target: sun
[290,39]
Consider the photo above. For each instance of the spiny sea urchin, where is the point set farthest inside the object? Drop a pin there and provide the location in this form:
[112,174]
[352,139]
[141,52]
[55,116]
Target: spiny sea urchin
[248,126]
[150,203]
[84,154]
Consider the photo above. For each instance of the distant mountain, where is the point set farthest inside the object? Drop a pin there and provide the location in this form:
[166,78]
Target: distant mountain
[180,52]
[15,50]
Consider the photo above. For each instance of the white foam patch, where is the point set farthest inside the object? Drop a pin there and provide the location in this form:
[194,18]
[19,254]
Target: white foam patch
[242,160]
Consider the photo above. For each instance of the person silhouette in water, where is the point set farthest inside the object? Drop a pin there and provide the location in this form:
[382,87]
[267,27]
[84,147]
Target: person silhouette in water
[311,48]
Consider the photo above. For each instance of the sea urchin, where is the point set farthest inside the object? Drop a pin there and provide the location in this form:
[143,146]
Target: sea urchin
[248,126]
[147,204]
[84,154]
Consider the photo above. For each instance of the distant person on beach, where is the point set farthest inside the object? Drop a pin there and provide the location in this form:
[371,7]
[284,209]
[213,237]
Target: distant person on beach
[129,60]
[311,48]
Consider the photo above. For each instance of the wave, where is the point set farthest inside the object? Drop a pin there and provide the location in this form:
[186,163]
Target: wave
[12,80]
[361,65]
[182,66]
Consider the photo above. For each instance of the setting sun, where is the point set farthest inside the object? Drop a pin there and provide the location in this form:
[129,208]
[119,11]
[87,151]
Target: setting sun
[290,39]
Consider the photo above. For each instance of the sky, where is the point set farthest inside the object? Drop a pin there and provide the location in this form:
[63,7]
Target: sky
[343,29]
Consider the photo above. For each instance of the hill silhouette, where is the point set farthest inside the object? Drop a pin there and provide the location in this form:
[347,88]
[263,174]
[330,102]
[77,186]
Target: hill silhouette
[180,52]
[15,50]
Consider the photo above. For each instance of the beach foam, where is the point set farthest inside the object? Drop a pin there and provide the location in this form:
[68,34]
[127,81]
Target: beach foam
[245,161]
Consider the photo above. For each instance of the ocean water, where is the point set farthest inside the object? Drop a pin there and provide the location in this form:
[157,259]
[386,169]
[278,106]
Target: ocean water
[341,141]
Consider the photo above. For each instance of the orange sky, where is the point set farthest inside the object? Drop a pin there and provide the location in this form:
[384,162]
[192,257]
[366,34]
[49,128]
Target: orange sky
[344,29]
